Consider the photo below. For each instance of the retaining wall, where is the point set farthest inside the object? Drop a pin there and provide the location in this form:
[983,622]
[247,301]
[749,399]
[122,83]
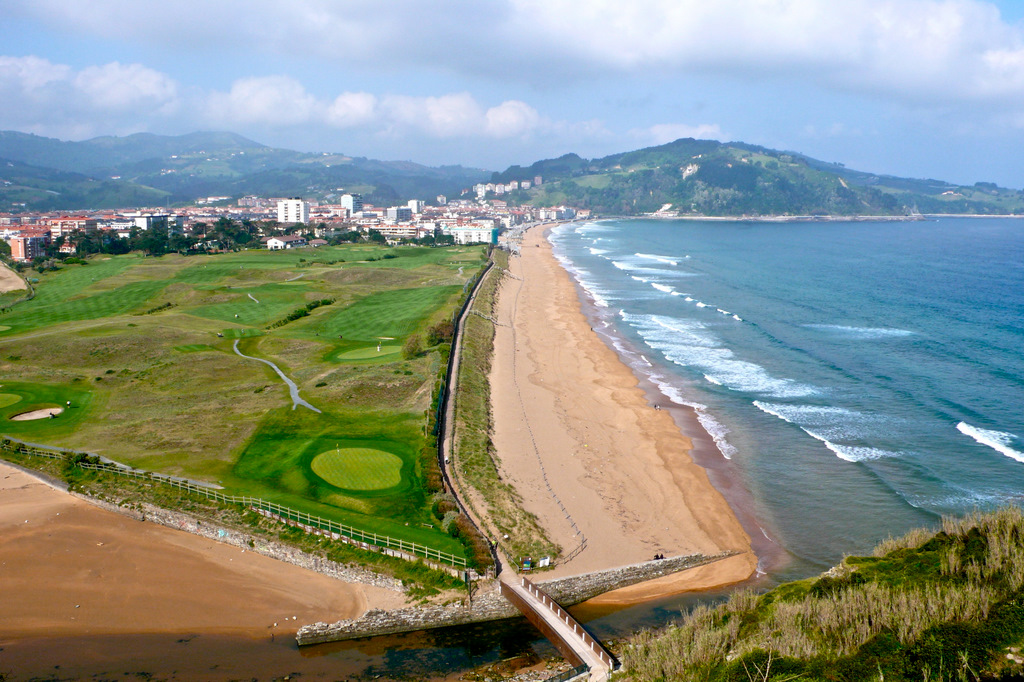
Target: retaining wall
[489,605]
[241,539]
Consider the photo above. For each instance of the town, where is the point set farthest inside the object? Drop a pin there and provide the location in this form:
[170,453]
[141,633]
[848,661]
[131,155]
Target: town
[224,224]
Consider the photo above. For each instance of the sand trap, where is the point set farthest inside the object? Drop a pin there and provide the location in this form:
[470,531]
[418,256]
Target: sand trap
[44,413]
[9,280]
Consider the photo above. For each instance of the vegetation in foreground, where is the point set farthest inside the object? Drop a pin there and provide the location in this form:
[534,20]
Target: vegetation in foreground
[928,606]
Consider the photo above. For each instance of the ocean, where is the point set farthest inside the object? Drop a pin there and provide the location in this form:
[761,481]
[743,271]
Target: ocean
[858,378]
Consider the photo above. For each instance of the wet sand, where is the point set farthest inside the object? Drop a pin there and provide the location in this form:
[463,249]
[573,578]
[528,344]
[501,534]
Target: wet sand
[622,470]
[68,568]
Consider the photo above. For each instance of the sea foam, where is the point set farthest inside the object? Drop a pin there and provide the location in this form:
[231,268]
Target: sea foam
[863,333]
[689,343]
[997,440]
[660,259]
[714,428]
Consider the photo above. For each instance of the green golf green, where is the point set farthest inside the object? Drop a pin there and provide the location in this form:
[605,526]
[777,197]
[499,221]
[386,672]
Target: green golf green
[359,468]
[9,399]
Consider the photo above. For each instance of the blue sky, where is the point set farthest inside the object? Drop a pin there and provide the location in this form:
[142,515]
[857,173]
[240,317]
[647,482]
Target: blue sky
[922,88]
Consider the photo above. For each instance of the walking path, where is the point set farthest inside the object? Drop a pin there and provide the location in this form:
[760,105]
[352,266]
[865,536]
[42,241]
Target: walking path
[292,388]
[571,638]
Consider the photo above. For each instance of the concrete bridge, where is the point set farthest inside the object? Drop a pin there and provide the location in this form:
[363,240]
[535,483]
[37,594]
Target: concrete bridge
[571,639]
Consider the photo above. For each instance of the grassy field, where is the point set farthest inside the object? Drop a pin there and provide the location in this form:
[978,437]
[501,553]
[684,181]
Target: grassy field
[143,350]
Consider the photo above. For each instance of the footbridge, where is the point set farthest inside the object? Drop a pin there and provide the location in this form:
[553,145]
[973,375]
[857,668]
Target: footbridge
[571,639]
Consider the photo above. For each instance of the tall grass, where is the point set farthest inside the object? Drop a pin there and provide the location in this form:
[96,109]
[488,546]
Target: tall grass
[919,607]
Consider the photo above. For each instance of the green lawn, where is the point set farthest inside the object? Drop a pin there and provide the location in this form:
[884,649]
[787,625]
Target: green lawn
[142,347]
[358,468]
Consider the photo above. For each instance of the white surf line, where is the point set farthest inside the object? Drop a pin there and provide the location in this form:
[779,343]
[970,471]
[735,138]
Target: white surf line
[292,388]
[252,297]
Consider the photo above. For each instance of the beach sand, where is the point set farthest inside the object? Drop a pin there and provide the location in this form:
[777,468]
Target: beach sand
[9,280]
[621,469]
[68,568]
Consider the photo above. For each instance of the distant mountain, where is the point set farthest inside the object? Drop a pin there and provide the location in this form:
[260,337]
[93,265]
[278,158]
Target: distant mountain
[46,189]
[181,169]
[705,177]
[702,177]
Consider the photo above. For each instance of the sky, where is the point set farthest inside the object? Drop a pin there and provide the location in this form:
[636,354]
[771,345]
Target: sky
[918,88]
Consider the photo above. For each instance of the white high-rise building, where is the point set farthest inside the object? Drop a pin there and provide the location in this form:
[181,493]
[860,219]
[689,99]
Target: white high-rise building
[293,210]
[352,202]
[416,205]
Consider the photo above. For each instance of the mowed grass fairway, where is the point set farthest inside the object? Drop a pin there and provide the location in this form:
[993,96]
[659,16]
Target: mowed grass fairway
[143,349]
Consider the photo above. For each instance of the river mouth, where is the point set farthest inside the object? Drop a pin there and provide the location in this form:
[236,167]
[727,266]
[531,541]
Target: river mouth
[42,413]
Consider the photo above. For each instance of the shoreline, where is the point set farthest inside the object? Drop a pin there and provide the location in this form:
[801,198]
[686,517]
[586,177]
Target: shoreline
[624,470]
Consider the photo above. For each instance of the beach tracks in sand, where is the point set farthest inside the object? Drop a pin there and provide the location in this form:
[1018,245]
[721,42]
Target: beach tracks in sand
[533,440]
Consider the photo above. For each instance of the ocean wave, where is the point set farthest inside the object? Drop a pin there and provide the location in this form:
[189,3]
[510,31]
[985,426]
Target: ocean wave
[597,252]
[630,266]
[852,453]
[663,287]
[688,343]
[830,422]
[997,440]
[598,295]
[660,259]
[862,333]
[712,426]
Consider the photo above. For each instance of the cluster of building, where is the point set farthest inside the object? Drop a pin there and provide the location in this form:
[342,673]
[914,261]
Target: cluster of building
[282,222]
[483,189]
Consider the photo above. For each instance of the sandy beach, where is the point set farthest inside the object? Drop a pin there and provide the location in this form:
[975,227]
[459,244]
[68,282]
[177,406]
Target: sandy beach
[621,469]
[9,280]
[68,568]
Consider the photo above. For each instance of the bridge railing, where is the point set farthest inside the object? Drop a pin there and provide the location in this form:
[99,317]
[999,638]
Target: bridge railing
[595,646]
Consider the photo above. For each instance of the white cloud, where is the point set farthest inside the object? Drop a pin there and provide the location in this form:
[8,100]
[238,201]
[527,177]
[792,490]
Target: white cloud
[265,100]
[444,116]
[511,119]
[928,50]
[351,109]
[125,86]
[931,49]
[31,73]
[663,133]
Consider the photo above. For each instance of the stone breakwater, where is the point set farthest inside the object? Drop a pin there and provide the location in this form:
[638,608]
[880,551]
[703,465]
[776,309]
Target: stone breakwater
[488,604]
[250,543]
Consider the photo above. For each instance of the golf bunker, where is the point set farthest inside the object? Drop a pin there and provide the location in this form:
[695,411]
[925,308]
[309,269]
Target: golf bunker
[42,413]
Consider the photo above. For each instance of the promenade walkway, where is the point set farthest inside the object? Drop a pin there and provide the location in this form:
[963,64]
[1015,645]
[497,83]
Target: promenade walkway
[572,640]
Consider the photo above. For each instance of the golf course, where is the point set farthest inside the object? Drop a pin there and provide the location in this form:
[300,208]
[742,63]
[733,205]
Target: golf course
[180,365]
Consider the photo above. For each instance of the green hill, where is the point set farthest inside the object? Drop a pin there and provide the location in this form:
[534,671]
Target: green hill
[181,169]
[947,605]
[46,189]
[705,177]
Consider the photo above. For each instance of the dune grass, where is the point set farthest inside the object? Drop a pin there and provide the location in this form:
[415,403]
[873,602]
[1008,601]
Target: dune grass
[946,605]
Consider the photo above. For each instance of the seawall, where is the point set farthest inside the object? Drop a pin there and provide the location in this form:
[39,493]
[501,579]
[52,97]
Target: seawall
[488,604]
